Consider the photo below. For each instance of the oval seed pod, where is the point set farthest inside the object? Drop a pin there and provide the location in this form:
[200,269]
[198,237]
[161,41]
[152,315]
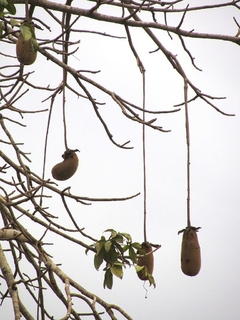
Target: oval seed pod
[66,169]
[26,47]
[190,253]
[146,261]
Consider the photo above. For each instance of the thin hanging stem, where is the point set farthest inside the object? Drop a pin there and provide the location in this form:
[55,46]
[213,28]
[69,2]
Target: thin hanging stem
[188,150]
[144,165]
[65,38]
[64,115]
[26,10]
[142,70]
[45,149]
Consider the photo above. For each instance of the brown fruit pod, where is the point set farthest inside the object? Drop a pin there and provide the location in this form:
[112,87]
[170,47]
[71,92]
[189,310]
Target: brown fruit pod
[26,49]
[66,169]
[146,261]
[25,52]
[190,253]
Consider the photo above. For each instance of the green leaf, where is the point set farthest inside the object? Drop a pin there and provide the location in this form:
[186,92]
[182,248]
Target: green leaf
[108,279]
[109,230]
[125,248]
[1,29]
[111,256]
[26,32]
[11,7]
[125,261]
[141,251]
[3,3]
[118,247]
[113,232]
[107,245]
[132,254]
[34,44]
[99,245]
[117,270]
[13,22]
[98,260]
[136,245]
[151,280]
[114,235]
[118,238]
[143,270]
[139,268]
[127,236]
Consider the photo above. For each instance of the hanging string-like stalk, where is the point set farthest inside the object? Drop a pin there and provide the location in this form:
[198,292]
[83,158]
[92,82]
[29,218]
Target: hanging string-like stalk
[188,150]
[144,164]
[65,38]
[142,70]
[26,10]
[45,148]
[145,261]
[64,117]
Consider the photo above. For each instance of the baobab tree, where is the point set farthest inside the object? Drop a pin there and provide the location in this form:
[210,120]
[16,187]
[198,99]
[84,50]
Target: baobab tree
[59,56]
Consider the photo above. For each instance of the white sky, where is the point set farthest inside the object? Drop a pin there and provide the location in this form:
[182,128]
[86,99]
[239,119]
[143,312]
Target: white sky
[107,171]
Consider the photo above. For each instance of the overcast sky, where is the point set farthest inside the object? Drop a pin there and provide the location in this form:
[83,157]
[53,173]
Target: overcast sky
[107,171]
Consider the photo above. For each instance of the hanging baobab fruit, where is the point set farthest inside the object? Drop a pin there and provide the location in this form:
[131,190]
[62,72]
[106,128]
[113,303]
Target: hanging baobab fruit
[190,253]
[146,260]
[66,169]
[27,46]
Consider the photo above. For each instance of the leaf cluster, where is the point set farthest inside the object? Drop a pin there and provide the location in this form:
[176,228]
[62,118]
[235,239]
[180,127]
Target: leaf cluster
[8,6]
[116,251]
